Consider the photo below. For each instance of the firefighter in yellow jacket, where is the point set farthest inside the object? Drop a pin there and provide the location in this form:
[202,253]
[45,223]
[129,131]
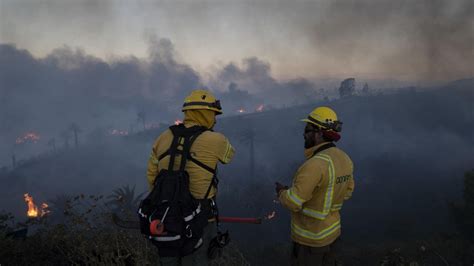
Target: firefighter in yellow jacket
[319,189]
[200,109]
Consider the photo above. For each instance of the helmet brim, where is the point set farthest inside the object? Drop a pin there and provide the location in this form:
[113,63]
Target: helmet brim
[309,121]
[313,123]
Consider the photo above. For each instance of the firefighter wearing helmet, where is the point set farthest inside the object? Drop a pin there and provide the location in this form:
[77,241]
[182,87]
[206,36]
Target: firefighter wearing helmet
[207,149]
[320,187]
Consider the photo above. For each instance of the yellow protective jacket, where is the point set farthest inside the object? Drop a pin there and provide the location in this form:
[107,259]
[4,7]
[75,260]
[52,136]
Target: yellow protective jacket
[319,189]
[209,148]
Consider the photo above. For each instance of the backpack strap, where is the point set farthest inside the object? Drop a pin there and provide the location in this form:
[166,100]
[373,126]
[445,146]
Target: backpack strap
[214,180]
[186,147]
[185,137]
[164,154]
[172,151]
[202,165]
[191,134]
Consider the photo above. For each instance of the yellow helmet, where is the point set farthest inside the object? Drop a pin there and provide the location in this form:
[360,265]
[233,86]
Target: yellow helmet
[202,100]
[325,118]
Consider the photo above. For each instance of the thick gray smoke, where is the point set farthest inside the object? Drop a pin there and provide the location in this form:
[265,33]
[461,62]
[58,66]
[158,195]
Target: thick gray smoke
[405,40]
[255,76]
[68,86]
[47,95]
[431,38]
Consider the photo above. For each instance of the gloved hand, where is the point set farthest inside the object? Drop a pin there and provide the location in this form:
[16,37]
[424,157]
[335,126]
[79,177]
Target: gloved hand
[279,187]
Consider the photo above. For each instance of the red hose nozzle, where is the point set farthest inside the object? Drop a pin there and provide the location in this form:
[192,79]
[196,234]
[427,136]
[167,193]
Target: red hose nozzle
[156,227]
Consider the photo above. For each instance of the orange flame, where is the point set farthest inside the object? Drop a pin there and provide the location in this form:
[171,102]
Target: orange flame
[28,137]
[177,122]
[33,210]
[260,108]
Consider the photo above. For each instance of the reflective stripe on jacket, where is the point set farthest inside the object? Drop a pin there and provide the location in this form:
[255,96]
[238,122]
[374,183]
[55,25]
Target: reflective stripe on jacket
[319,189]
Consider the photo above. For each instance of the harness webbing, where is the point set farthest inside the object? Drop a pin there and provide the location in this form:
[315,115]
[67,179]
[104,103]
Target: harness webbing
[185,138]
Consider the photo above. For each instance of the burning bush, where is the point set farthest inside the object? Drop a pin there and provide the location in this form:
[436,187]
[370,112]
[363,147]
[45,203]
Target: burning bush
[33,210]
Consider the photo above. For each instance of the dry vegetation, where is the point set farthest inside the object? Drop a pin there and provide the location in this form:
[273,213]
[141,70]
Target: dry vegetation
[85,235]
[79,231]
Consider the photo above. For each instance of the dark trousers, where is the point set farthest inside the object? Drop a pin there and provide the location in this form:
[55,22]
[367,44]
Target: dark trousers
[198,257]
[315,256]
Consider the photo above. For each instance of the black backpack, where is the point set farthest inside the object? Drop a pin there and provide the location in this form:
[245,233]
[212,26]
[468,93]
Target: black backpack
[170,216]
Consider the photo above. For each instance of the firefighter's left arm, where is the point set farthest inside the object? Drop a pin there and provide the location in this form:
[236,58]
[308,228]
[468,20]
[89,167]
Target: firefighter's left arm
[305,181]
[225,151]
[350,188]
[350,185]
[152,167]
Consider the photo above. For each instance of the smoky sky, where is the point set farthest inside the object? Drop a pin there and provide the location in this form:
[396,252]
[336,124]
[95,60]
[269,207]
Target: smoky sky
[405,40]
[47,95]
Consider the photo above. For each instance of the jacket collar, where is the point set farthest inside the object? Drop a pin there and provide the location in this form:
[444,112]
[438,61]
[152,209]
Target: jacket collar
[308,153]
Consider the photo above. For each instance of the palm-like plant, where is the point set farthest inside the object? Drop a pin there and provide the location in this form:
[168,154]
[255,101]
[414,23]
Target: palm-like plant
[365,89]
[123,200]
[61,206]
[52,144]
[13,161]
[65,135]
[142,117]
[248,137]
[75,130]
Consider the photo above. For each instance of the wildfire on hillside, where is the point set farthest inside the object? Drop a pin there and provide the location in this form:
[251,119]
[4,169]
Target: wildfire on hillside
[29,137]
[33,210]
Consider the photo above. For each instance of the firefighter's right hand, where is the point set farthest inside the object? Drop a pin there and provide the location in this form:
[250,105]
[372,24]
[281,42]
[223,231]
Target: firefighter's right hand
[279,187]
